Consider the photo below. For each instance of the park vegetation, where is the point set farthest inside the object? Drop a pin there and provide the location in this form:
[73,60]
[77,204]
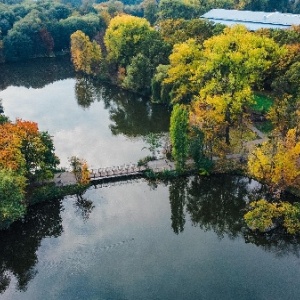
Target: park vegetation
[211,76]
[26,158]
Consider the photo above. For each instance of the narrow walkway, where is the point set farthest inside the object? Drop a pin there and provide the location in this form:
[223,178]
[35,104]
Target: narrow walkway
[117,172]
[262,137]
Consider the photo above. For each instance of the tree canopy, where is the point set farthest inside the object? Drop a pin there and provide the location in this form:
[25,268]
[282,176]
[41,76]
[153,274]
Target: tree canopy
[86,55]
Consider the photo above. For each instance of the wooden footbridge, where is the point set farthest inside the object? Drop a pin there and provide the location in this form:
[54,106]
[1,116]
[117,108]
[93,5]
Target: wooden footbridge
[116,173]
[131,171]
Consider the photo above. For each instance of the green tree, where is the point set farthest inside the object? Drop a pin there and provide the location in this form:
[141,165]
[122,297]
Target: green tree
[7,18]
[175,31]
[160,89]
[179,135]
[49,161]
[197,151]
[138,77]
[154,142]
[150,10]
[17,46]
[89,24]
[184,62]
[12,204]
[178,9]
[137,49]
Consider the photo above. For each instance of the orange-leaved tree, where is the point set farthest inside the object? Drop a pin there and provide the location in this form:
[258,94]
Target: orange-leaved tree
[26,150]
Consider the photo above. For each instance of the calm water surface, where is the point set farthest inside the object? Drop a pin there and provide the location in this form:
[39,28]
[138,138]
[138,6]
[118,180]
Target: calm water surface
[100,123]
[184,239]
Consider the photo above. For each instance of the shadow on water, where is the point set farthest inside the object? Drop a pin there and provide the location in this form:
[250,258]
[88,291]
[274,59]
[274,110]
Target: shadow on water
[35,73]
[131,114]
[19,244]
[218,203]
[215,203]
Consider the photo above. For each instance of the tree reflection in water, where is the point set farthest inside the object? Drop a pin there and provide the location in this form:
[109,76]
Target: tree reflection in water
[177,194]
[21,241]
[87,92]
[131,115]
[84,207]
[218,203]
[19,244]
[35,73]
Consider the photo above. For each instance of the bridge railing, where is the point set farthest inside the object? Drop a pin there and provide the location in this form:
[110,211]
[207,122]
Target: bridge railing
[115,171]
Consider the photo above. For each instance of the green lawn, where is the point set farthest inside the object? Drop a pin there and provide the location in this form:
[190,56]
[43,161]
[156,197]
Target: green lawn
[262,103]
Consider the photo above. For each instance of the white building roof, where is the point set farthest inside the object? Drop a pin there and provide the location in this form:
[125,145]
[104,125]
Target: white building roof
[253,20]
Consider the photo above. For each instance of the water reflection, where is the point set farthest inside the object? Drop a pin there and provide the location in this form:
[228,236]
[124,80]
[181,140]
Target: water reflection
[36,73]
[89,119]
[86,92]
[276,242]
[84,207]
[218,203]
[131,115]
[177,194]
[214,204]
[20,243]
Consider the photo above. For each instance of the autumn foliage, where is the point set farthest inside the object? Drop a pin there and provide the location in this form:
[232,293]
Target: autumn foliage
[265,216]
[26,155]
[276,162]
[86,54]
[23,150]
[80,170]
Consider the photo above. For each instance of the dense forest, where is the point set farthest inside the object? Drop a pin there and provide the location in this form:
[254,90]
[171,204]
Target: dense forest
[221,83]
[40,28]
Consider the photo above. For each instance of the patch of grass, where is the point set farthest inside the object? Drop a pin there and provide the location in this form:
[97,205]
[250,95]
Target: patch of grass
[262,103]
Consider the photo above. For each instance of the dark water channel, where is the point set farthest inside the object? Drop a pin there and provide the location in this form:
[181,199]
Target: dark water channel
[184,239]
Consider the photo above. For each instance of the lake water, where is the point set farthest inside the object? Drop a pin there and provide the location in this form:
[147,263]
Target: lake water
[183,239]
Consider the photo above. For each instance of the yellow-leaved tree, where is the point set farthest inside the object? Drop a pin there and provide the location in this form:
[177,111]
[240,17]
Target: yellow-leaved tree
[265,216]
[232,64]
[125,36]
[276,162]
[80,170]
[184,62]
[86,55]
[219,77]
